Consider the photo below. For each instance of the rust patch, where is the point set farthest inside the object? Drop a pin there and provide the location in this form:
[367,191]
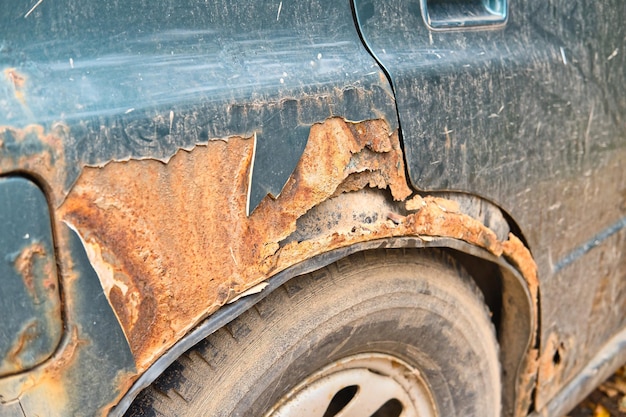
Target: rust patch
[522,259]
[519,255]
[426,218]
[165,240]
[29,333]
[38,271]
[18,81]
[48,380]
[25,266]
[171,242]
[550,364]
[549,361]
[38,152]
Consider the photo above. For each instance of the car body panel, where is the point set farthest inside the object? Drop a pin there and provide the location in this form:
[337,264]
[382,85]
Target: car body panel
[92,364]
[157,131]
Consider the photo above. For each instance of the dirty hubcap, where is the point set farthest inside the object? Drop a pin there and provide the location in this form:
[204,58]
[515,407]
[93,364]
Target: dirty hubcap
[365,385]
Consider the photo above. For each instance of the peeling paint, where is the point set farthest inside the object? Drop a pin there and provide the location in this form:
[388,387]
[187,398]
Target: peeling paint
[171,240]
[162,277]
[149,267]
[254,290]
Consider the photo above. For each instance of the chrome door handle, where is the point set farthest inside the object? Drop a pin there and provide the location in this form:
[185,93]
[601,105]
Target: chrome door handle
[458,14]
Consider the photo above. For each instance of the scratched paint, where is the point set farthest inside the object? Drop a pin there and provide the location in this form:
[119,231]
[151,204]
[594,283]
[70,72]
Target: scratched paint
[592,243]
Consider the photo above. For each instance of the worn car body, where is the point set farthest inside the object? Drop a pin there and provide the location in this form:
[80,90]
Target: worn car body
[159,160]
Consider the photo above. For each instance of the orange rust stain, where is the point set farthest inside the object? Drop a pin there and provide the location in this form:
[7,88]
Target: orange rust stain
[38,272]
[49,380]
[427,218]
[522,259]
[439,217]
[549,377]
[547,363]
[48,164]
[18,81]
[27,335]
[163,238]
[25,265]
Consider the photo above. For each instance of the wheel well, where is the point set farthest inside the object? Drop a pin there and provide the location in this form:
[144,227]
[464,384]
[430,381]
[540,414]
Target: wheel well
[507,297]
[502,287]
[369,265]
[488,278]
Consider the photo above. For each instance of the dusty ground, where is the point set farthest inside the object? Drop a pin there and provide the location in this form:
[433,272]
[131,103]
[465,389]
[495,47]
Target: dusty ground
[609,400]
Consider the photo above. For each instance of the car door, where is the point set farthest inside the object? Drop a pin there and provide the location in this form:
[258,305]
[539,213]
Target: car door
[524,105]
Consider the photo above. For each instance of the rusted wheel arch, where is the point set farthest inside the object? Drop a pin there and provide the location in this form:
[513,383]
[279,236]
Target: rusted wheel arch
[348,193]
[516,324]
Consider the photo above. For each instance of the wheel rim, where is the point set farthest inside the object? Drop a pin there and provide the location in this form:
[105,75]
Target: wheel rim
[365,385]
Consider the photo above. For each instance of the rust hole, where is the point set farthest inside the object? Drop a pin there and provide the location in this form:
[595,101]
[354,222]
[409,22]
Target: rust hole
[557,357]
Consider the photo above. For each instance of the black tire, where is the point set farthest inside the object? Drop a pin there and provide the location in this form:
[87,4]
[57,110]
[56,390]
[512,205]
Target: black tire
[417,306]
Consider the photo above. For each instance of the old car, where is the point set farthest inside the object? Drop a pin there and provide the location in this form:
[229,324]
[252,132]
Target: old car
[311,208]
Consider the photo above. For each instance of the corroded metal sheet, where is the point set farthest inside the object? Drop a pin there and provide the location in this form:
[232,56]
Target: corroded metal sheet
[184,73]
[173,242]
